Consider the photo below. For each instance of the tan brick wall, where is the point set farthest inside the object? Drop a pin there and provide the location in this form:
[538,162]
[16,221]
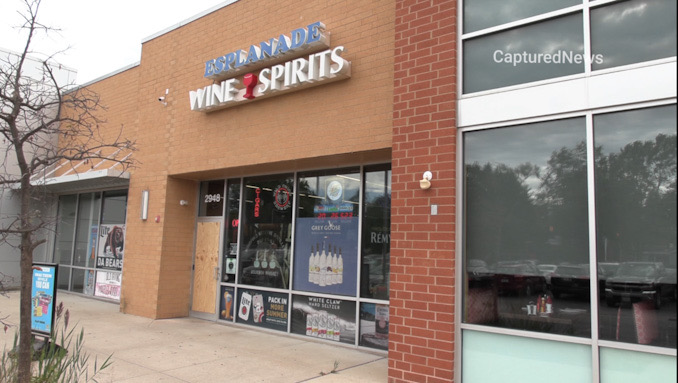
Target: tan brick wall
[347,122]
[421,332]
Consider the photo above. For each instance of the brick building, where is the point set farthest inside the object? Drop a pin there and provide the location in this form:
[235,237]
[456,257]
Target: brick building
[401,178]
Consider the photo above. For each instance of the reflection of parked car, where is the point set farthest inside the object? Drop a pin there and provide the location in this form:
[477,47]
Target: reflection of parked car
[641,281]
[572,279]
[479,274]
[519,278]
[547,271]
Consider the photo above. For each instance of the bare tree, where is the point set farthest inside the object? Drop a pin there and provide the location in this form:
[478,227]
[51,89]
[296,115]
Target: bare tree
[44,124]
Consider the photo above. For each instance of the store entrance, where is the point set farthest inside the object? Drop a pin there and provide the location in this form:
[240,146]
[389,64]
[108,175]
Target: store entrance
[206,268]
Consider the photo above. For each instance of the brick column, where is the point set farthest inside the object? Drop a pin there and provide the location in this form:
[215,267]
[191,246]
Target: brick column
[421,333]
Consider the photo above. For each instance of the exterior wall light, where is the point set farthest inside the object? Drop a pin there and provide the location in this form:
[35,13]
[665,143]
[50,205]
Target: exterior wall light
[425,182]
[144,205]
[183,202]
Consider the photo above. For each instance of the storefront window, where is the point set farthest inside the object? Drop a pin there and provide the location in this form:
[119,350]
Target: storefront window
[323,299]
[636,224]
[114,208]
[628,32]
[266,231]
[231,231]
[63,251]
[376,234]
[94,243]
[326,258]
[88,220]
[526,217]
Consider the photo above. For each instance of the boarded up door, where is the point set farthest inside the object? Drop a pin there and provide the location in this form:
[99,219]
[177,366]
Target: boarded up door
[206,261]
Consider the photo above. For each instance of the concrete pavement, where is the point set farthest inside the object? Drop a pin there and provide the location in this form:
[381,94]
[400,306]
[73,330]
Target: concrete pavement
[194,350]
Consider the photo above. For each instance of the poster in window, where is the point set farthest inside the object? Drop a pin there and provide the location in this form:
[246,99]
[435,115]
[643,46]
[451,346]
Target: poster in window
[108,285]
[226,303]
[111,247]
[326,255]
[374,326]
[43,297]
[324,318]
[262,309]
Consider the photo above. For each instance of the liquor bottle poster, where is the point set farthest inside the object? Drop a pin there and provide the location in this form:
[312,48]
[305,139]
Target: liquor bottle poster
[43,297]
[226,300]
[111,247]
[262,309]
[324,318]
[326,255]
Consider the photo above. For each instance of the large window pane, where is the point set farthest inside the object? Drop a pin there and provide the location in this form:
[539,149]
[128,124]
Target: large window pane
[88,222]
[231,231]
[114,207]
[64,236]
[633,31]
[526,208]
[636,219]
[326,233]
[376,234]
[535,52]
[480,14]
[266,231]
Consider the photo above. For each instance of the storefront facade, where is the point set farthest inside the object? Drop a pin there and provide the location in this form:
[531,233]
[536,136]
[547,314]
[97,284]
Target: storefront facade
[354,174]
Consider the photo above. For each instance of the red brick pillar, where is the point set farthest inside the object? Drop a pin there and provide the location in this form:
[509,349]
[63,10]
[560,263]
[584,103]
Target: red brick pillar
[421,333]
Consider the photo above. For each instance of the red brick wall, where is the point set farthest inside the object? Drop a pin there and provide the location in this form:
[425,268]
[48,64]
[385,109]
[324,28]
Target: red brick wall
[421,333]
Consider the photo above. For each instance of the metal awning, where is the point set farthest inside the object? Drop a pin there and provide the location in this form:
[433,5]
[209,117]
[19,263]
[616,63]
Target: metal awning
[76,179]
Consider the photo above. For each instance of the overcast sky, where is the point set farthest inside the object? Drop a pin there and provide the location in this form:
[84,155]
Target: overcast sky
[100,37]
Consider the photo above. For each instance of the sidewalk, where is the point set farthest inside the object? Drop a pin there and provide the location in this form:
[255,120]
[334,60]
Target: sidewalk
[194,350]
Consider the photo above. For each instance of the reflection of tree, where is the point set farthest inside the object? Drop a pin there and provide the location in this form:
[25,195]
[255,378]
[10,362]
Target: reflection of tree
[528,212]
[509,216]
[501,219]
[562,195]
[636,199]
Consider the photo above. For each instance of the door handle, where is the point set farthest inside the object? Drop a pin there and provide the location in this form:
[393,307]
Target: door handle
[216,273]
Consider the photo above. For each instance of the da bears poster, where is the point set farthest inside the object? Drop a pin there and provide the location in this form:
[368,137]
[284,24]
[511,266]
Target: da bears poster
[111,247]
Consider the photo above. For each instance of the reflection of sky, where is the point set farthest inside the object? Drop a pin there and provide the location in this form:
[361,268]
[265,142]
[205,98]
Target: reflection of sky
[533,143]
[482,72]
[613,131]
[633,31]
[480,14]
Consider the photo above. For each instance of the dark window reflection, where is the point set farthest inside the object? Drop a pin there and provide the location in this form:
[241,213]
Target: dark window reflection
[480,14]
[633,31]
[64,233]
[231,231]
[525,215]
[266,230]
[376,234]
[636,219]
[540,51]
[114,207]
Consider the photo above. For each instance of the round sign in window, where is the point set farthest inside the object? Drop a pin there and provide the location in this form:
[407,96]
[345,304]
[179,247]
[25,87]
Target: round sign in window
[334,190]
[281,197]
